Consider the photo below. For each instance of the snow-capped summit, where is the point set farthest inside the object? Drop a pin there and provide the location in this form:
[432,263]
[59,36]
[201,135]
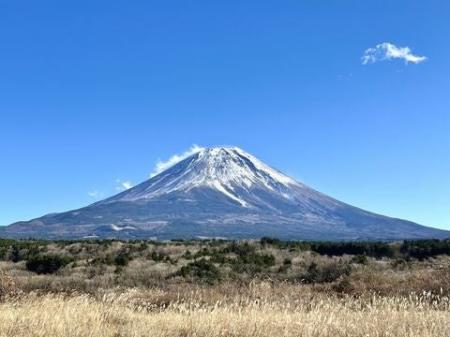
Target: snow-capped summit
[228,170]
[221,192]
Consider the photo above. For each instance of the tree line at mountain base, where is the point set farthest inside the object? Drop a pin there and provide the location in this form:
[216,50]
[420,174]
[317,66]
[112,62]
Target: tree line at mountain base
[341,267]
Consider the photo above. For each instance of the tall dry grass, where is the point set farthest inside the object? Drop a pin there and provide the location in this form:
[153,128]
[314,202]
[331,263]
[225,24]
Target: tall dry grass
[210,312]
[147,297]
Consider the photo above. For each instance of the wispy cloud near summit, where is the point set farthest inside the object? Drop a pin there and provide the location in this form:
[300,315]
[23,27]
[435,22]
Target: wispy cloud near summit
[162,165]
[387,51]
[123,185]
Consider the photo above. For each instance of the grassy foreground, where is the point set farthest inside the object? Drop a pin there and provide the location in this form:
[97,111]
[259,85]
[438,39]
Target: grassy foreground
[260,311]
[220,288]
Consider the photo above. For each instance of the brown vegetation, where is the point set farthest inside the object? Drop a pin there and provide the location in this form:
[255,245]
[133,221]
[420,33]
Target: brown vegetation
[112,288]
[260,310]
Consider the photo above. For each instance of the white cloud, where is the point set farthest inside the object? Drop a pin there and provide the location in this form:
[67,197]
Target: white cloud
[387,51]
[127,184]
[163,165]
[95,194]
[123,185]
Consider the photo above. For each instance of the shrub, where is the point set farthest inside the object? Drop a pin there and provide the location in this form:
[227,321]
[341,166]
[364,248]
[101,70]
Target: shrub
[239,248]
[142,246]
[15,255]
[263,260]
[344,286]
[3,253]
[201,269]
[47,264]
[101,260]
[269,241]
[202,252]
[122,260]
[219,257]
[287,261]
[160,257]
[326,273]
[400,263]
[359,259]
[252,263]
[187,255]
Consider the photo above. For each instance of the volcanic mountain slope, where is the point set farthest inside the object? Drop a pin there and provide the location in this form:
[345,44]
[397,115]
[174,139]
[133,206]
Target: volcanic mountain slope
[221,192]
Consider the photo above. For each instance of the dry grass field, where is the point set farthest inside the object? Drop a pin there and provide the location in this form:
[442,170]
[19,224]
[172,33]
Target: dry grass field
[134,313]
[222,289]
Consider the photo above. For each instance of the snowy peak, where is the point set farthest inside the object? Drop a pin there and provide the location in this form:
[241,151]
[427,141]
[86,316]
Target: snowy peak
[228,170]
[232,165]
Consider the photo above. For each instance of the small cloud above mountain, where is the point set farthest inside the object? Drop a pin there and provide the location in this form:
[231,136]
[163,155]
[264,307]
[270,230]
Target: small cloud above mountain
[387,51]
[123,185]
[162,165]
[94,194]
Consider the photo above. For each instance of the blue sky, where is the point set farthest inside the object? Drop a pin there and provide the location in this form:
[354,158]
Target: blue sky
[94,93]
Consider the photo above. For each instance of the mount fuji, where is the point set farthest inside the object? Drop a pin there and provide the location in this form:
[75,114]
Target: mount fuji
[220,192]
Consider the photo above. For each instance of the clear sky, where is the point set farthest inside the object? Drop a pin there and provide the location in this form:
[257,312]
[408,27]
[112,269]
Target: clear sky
[94,93]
